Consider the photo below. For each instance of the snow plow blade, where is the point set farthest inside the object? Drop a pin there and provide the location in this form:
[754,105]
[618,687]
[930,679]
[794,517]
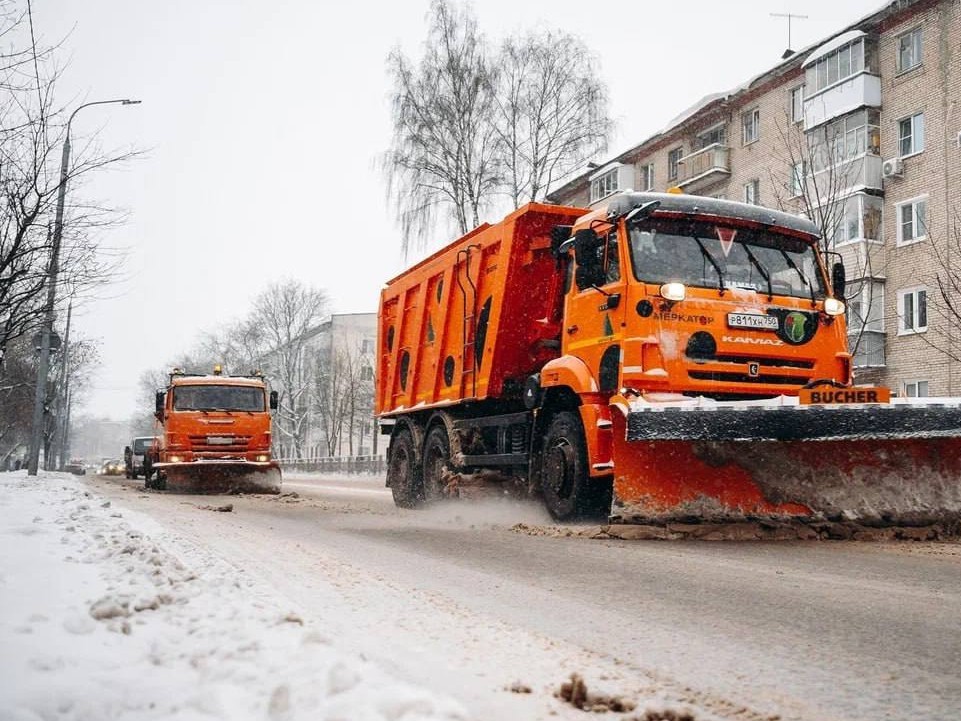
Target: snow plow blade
[210,477]
[876,465]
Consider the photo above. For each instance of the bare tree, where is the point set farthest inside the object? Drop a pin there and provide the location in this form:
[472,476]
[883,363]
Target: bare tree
[444,148]
[33,129]
[288,312]
[552,111]
[343,393]
[815,173]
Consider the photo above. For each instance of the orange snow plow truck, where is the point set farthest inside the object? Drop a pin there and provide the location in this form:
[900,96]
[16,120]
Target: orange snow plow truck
[213,435]
[666,359]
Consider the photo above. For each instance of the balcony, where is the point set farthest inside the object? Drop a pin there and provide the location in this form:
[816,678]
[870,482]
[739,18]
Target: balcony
[704,167]
[862,172]
[857,91]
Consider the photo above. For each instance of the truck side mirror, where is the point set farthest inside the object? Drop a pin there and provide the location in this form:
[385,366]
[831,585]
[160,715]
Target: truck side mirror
[586,244]
[273,400]
[159,400]
[838,280]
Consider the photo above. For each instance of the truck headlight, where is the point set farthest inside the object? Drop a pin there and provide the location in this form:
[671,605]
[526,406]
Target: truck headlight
[174,459]
[673,291]
[833,306]
[262,458]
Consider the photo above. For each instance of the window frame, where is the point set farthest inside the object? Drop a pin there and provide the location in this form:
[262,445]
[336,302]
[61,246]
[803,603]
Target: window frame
[916,135]
[647,177]
[674,156]
[917,50]
[600,183]
[752,188]
[916,326]
[796,95]
[917,389]
[752,119]
[913,203]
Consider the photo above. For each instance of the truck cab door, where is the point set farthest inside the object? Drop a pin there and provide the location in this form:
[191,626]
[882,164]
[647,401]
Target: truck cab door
[594,310]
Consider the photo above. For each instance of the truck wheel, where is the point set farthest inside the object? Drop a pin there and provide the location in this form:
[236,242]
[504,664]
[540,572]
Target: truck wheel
[404,472]
[436,460]
[569,493]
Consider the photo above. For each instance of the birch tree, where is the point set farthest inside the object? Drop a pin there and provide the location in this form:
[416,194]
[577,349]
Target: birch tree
[286,312]
[552,111]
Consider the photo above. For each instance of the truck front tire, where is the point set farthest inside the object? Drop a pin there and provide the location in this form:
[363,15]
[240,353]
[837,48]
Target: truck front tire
[569,493]
[404,471]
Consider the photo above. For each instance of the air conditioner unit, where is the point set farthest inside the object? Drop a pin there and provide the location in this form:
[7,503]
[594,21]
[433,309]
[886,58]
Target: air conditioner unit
[892,168]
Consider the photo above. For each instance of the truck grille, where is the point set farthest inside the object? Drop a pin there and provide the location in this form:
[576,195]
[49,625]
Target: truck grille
[763,378]
[224,443]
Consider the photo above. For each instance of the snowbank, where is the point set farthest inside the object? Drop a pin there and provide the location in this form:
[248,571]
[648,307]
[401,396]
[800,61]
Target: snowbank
[103,617]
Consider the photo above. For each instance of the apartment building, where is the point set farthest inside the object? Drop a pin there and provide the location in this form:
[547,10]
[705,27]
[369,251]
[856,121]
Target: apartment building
[862,133]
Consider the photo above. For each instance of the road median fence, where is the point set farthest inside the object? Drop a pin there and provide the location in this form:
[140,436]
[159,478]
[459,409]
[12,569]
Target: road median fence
[335,464]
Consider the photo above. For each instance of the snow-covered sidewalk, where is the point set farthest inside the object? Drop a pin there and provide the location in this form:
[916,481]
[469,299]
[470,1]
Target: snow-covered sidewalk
[105,615]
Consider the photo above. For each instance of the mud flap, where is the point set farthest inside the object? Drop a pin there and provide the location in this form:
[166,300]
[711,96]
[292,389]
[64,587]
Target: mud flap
[223,478]
[875,465]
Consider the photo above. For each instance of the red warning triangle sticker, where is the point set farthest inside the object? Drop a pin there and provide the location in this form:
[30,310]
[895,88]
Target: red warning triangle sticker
[726,236]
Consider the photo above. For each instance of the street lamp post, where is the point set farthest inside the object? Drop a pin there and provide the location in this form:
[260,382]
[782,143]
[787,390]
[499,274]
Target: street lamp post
[43,368]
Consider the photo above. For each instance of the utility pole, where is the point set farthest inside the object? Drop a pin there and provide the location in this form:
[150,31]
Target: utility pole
[789,16]
[53,270]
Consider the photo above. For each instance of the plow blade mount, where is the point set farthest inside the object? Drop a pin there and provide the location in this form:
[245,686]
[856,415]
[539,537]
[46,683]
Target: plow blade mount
[210,477]
[896,464]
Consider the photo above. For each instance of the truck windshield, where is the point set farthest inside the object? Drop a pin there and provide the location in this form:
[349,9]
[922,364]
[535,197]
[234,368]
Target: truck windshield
[710,256]
[218,398]
[140,445]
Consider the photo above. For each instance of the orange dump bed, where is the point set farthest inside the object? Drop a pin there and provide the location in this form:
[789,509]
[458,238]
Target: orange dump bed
[473,320]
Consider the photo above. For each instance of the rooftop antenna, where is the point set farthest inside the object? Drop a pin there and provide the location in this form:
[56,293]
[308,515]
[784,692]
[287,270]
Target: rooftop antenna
[789,16]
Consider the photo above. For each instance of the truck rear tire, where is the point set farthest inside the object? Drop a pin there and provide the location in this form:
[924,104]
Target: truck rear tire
[569,493]
[404,471]
[436,460]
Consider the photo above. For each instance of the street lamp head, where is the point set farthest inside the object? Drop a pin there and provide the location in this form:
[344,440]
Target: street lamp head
[127,101]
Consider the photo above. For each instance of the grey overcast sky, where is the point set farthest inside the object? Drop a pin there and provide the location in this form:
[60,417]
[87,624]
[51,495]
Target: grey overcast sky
[263,120]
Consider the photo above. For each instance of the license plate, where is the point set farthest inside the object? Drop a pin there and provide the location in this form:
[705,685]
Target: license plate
[843,396]
[752,320]
[219,440]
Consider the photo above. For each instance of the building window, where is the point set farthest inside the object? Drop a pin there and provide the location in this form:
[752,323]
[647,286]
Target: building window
[647,177]
[673,160]
[713,136]
[366,373]
[798,174]
[846,138]
[912,311]
[367,345]
[752,192]
[915,389]
[855,218]
[865,321]
[909,50]
[605,185]
[912,220]
[837,66]
[750,122]
[911,135]
[797,104]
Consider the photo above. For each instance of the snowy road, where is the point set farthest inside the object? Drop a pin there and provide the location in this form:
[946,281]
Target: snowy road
[455,601]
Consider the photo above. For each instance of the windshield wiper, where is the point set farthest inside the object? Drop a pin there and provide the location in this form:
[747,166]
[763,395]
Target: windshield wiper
[809,284]
[764,273]
[707,254]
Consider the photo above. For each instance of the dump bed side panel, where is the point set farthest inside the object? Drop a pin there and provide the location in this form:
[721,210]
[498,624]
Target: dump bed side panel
[477,315]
